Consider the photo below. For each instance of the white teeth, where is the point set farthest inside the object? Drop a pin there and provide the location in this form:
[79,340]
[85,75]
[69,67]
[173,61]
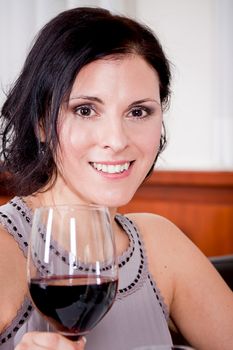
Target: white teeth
[104,168]
[111,169]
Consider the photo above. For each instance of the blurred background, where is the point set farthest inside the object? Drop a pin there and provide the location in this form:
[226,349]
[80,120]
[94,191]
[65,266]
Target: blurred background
[197,37]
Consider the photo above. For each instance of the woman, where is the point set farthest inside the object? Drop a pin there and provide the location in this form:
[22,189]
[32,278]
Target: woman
[83,124]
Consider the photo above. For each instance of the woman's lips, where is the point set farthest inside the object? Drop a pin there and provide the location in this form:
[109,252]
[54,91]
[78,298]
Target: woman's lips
[111,168]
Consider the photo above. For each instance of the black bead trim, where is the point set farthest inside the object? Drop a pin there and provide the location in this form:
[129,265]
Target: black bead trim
[156,294]
[4,216]
[142,261]
[17,327]
[20,210]
[65,259]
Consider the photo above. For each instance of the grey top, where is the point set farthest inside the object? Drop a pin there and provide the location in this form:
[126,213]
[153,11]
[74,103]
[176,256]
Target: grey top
[138,316]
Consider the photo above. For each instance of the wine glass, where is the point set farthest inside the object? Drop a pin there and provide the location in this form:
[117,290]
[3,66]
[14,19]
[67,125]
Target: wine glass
[72,268]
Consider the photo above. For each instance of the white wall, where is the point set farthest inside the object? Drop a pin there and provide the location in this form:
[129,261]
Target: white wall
[197,37]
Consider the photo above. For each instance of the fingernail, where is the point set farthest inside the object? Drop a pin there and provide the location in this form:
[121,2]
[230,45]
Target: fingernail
[83,339]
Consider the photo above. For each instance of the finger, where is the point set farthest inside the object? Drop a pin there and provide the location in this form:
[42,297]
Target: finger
[48,341]
[55,341]
[27,343]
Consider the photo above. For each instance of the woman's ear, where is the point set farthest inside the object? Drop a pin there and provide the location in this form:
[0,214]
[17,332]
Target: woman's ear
[40,132]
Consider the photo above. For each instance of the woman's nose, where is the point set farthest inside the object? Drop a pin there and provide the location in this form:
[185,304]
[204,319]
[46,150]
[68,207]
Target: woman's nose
[114,134]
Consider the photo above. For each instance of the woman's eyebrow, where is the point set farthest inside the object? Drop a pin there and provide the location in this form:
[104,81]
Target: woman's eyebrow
[86,97]
[143,101]
[97,99]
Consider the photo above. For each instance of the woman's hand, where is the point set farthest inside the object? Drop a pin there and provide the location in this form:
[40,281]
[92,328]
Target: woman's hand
[48,341]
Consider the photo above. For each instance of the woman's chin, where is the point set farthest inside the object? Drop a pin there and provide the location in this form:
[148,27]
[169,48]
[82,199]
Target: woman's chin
[115,202]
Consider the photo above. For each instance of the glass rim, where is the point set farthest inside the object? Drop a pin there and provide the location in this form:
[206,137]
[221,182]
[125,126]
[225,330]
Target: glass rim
[70,207]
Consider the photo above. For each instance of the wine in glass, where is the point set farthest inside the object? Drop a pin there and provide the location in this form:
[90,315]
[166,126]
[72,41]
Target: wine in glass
[72,267]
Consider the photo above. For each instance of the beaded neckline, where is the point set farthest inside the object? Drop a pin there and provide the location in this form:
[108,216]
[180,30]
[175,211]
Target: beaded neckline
[26,213]
[123,260]
[20,204]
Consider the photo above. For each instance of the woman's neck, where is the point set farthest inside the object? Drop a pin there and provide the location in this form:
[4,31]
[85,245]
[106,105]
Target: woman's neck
[41,199]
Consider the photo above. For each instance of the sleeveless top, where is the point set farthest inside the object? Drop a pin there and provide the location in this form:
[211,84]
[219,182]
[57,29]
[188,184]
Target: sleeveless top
[138,316]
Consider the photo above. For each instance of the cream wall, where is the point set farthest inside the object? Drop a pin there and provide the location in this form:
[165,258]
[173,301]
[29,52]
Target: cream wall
[197,37]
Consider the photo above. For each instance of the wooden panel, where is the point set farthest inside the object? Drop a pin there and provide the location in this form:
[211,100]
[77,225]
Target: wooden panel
[200,203]
[4,199]
[5,193]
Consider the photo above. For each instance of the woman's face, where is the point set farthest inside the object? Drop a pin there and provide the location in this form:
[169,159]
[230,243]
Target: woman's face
[109,132]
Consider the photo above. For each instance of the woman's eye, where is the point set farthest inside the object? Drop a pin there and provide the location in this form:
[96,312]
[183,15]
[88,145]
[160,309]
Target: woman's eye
[140,112]
[84,111]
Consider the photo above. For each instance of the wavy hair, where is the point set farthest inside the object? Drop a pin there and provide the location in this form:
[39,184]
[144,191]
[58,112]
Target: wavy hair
[62,48]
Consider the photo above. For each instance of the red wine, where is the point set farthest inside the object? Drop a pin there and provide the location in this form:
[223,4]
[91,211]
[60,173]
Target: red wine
[73,304]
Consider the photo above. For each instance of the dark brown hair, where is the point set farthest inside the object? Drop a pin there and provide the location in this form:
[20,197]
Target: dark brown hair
[66,44]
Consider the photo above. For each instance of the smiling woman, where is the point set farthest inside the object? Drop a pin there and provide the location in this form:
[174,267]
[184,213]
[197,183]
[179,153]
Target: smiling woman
[102,128]
[84,125]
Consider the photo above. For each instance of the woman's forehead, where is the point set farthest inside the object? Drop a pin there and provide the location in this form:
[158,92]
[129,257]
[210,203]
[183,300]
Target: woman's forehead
[128,71]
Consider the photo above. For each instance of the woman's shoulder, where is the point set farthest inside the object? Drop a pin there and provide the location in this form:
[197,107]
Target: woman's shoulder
[13,246]
[169,252]
[150,219]
[12,272]
[165,238]
[156,227]
[160,237]
[188,281]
